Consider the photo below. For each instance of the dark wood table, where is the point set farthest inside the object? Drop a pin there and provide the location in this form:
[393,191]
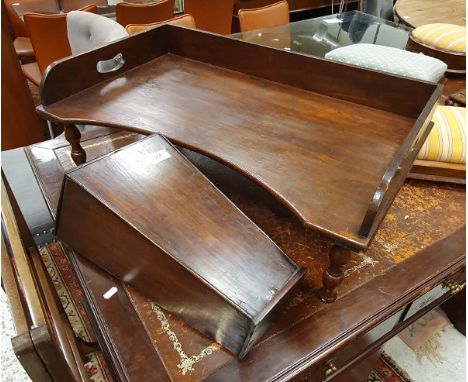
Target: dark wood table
[417,259]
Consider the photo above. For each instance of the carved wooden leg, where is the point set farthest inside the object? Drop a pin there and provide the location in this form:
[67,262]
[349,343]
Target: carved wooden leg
[73,136]
[333,275]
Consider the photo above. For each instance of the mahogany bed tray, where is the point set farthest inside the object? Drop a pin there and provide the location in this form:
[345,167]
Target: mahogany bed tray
[331,142]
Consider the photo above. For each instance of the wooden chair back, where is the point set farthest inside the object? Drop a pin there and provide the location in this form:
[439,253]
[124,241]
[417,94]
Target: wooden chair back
[49,37]
[130,13]
[211,15]
[264,17]
[186,21]
[17,9]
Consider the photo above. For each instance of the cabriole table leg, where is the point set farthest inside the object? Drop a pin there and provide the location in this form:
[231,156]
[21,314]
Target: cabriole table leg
[73,136]
[334,275]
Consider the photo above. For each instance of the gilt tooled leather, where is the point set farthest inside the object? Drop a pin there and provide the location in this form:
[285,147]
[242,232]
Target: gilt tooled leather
[428,212]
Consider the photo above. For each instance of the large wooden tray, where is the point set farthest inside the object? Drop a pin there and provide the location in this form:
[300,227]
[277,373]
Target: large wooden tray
[332,142]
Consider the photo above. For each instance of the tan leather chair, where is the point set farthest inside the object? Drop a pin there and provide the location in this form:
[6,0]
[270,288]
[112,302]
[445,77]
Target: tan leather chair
[127,13]
[21,42]
[211,15]
[264,17]
[186,21]
[49,39]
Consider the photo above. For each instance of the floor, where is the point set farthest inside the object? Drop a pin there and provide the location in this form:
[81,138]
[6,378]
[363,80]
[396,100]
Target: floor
[11,369]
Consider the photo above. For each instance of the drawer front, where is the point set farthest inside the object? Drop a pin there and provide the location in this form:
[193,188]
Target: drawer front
[328,368]
[347,353]
[452,284]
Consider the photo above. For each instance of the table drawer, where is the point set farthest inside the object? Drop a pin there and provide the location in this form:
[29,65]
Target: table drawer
[451,284]
[338,360]
[344,358]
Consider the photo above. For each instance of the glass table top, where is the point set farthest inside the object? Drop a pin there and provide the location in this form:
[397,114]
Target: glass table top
[318,36]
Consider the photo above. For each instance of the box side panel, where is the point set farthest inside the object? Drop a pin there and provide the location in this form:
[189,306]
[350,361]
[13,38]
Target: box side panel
[263,321]
[108,241]
[158,192]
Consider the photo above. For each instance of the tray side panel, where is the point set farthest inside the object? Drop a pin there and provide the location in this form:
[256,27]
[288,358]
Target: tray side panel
[399,168]
[73,74]
[349,83]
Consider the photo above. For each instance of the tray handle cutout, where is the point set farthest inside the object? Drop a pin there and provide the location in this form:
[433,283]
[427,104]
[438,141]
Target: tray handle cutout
[112,65]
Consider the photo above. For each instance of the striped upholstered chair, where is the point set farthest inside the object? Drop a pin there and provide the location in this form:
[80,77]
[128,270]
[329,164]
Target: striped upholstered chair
[447,140]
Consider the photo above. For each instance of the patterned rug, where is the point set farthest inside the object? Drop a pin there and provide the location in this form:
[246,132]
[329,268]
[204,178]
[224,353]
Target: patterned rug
[388,371]
[429,350]
[71,295]
[12,371]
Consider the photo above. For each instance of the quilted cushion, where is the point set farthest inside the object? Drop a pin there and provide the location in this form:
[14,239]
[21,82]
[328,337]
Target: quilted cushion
[87,31]
[446,37]
[447,139]
[390,60]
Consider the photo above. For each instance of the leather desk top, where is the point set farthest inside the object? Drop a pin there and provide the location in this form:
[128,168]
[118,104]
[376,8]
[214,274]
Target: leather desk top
[421,239]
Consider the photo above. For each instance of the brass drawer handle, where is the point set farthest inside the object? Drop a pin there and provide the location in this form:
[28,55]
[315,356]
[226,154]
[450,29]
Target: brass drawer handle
[329,367]
[453,286]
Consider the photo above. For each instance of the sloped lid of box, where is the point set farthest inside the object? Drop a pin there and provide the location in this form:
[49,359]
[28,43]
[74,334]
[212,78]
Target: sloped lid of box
[157,191]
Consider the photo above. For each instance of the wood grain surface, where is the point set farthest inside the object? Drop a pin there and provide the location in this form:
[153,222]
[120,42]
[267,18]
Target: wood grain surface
[291,133]
[421,12]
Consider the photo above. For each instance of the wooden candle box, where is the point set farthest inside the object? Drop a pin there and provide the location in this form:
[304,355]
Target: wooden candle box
[146,215]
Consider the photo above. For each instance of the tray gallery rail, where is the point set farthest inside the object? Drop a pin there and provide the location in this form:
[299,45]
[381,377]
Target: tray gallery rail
[331,142]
